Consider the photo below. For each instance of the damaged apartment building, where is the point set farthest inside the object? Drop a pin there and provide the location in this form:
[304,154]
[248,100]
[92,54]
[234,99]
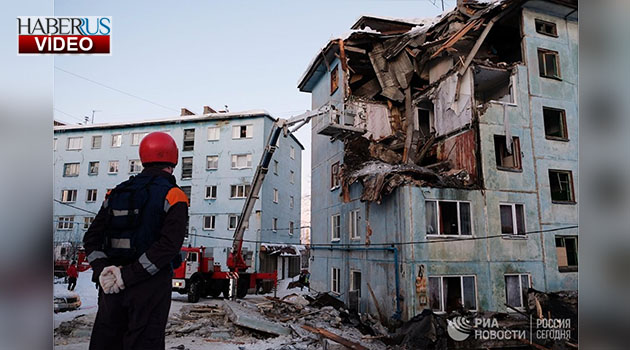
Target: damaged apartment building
[455,139]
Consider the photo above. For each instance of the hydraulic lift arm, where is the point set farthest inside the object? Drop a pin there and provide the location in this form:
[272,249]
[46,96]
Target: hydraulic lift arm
[281,126]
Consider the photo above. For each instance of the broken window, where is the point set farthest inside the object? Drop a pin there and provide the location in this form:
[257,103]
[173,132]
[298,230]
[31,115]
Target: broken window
[71,169]
[274,224]
[209,222]
[189,140]
[187,167]
[87,221]
[546,28]
[116,140]
[355,280]
[448,218]
[548,64]
[555,124]
[561,185]
[137,137]
[75,143]
[335,227]
[241,161]
[93,168]
[65,222]
[96,141]
[211,192]
[187,192]
[516,290]
[334,176]
[503,43]
[567,252]
[135,166]
[214,133]
[239,191]
[91,195]
[334,79]
[335,282]
[425,121]
[291,228]
[493,84]
[354,224]
[276,195]
[452,293]
[512,219]
[241,131]
[212,162]
[68,196]
[507,159]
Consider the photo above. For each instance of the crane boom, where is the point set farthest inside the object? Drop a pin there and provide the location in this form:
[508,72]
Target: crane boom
[281,126]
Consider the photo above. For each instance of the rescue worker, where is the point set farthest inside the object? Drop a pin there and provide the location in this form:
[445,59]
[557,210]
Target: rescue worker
[73,274]
[136,234]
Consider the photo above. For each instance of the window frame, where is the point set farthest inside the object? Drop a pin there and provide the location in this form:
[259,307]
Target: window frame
[291,152]
[109,167]
[276,196]
[516,151]
[335,280]
[98,165]
[213,189]
[230,216]
[208,160]
[291,228]
[213,219]
[291,202]
[520,285]
[571,187]
[87,221]
[514,220]
[71,197]
[568,268]
[334,79]
[248,161]
[185,175]
[134,138]
[118,137]
[542,70]
[218,133]
[292,176]
[353,224]
[188,143]
[90,191]
[249,131]
[67,166]
[336,226]
[353,279]
[135,166]
[563,125]
[274,224]
[538,21]
[65,223]
[335,182]
[275,167]
[77,148]
[235,189]
[461,282]
[459,219]
[100,142]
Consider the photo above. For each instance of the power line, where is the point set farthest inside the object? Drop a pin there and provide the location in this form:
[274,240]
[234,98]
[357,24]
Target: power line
[75,207]
[68,114]
[115,89]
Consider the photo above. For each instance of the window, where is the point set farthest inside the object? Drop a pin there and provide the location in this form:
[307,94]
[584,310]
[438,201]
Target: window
[507,158]
[567,252]
[447,292]
[561,184]
[55,144]
[93,168]
[116,140]
[71,169]
[275,167]
[548,64]
[335,283]
[335,227]
[208,222]
[233,221]
[334,176]
[355,280]
[276,195]
[239,191]
[242,131]
[425,121]
[448,218]
[75,143]
[493,84]
[97,141]
[68,196]
[212,162]
[211,192]
[354,224]
[91,195]
[512,219]
[555,124]
[189,140]
[135,166]
[334,79]
[241,161]
[187,167]
[516,290]
[291,228]
[113,167]
[291,202]
[137,137]
[65,222]
[274,224]
[214,133]
[292,152]
[187,192]
[546,28]
[87,221]
[292,176]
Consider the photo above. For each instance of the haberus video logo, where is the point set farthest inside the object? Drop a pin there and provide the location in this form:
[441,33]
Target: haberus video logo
[64,35]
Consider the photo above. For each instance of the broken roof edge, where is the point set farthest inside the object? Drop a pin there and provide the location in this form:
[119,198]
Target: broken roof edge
[314,64]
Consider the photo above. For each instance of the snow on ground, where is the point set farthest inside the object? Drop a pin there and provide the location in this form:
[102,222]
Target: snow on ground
[86,290]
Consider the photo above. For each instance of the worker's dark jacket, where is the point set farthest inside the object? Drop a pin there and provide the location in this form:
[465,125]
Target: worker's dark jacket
[141,227]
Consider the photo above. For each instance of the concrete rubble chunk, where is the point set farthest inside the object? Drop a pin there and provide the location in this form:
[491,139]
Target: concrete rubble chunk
[245,318]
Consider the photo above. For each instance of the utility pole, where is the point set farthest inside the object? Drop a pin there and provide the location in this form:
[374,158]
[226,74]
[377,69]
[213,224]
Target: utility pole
[94,111]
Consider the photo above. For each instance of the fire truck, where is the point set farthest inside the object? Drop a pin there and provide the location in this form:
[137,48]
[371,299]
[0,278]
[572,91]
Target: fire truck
[64,253]
[200,273]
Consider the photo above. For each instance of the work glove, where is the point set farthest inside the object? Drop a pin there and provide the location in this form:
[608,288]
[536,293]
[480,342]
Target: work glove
[111,280]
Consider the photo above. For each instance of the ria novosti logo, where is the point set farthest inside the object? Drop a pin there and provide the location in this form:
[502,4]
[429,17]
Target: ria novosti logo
[64,35]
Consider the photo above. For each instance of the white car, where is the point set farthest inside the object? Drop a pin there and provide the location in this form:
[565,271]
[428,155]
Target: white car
[66,301]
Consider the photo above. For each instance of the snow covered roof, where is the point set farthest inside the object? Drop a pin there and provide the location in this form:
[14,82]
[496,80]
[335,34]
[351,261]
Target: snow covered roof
[282,249]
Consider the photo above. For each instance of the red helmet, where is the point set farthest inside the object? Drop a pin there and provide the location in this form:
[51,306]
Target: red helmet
[158,147]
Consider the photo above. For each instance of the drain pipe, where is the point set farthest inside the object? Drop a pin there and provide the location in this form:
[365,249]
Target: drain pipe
[398,314]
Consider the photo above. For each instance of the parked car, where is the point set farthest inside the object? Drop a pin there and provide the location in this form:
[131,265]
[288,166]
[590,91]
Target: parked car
[66,301]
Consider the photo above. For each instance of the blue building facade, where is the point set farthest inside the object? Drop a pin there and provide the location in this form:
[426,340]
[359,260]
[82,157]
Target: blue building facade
[507,125]
[219,153]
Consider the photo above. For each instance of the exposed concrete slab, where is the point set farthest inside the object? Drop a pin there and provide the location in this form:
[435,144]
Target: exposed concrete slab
[243,317]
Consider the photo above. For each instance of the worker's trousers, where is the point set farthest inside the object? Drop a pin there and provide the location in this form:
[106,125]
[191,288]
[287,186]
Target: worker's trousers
[136,317]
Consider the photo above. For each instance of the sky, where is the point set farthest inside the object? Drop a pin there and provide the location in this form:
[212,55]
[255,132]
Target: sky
[243,54]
